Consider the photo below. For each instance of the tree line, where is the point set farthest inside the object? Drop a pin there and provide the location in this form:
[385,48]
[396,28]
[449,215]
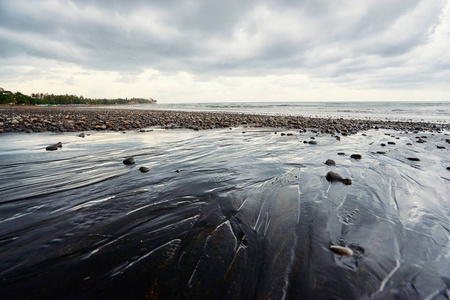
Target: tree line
[7,97]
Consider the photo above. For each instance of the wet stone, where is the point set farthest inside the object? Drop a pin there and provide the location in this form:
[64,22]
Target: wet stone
[341,250]
[413,159]
[144,169]
[129,161]
[335,177]
[356,156]
[330,162]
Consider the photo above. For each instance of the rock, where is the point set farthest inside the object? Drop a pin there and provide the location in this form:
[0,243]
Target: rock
[356,156]
[312,142]
[341,153]
[383,145]
[341,250]
[129,161]
[51,148]
[391,143]
[381,152]
[144,169]
[330,162]
[290,134]
[413,159]
[440,147]
[333,177]
[82,135]
[283,134]
[54,147]
[420,141]
[408,144]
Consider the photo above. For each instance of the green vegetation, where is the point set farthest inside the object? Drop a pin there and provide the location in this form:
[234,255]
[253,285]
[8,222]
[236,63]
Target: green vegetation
[7,97]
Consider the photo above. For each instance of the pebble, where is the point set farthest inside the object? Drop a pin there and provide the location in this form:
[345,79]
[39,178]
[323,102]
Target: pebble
[54,147]
[333,177]
[413,159]
[341,153]
[341,250]
[129,161]
[312,142]
[391,143]
[356,156]
[82,135]
[330,162]
[144,169]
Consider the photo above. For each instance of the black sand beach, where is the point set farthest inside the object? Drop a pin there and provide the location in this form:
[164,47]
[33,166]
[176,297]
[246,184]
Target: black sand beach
[248,213]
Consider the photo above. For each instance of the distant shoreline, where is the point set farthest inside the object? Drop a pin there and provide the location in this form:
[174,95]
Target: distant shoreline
[30,119]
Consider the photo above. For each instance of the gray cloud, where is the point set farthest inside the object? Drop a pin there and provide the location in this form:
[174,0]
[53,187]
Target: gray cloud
[326,39]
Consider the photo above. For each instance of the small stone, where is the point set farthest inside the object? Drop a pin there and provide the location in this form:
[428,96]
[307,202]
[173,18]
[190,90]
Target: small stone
[330,162]
[313,142]
[82,135]
[420,141]
[129,161]
[283,134]
[381,152]
[356,156]
[333,176]
[440,147]
[413,159]
[290,134]
[408,144]
[51,148]
[391,143]
[340,250]
[341,153]
[144,169]
[383,145]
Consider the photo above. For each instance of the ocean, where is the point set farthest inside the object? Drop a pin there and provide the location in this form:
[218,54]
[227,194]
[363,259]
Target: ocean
[438,112]
[245,213]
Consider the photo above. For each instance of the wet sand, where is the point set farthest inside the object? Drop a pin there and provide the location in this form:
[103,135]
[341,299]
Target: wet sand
[246,213]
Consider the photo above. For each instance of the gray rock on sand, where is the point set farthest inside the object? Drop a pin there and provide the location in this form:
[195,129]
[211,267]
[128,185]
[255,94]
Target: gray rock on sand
[341,250]
[54,147]
[335,177]
[144,169]
[129,161]
[330,162]
[82,135]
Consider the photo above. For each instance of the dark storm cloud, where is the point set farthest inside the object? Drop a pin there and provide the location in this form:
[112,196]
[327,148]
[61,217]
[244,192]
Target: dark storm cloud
[323,38]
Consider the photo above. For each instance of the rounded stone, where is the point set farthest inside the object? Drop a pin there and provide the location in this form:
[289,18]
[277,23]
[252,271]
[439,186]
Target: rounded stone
[129,161]
[330,162]
[144,169]
[356,156]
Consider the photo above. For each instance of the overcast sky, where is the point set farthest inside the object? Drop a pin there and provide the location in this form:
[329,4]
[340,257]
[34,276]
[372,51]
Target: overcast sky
[216,51]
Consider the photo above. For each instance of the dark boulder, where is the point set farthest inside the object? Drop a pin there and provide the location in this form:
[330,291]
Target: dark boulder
[356,156]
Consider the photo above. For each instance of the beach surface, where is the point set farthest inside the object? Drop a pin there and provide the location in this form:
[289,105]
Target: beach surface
[221,214]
